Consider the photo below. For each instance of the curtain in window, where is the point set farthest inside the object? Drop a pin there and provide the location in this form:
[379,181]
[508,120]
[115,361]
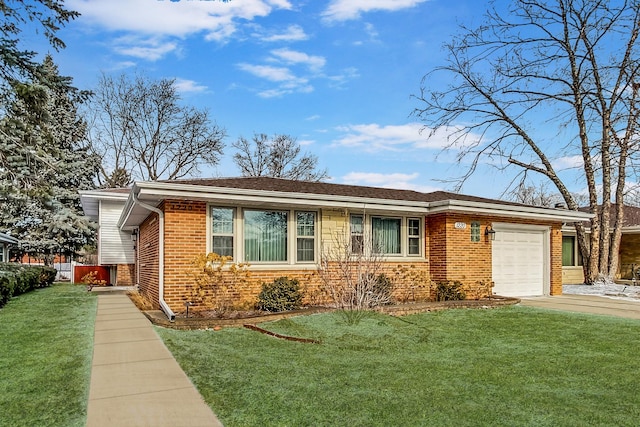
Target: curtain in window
[386,235]
[265,236]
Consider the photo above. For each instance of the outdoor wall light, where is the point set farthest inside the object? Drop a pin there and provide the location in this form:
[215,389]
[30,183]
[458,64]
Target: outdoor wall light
[490,233]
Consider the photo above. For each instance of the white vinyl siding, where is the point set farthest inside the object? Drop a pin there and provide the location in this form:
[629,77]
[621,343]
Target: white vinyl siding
[114,246]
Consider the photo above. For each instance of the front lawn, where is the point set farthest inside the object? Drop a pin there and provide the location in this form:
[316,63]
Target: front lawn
[46,346]
[508,366]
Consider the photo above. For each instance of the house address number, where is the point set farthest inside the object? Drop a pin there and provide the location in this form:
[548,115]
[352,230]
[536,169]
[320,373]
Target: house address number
[460,225]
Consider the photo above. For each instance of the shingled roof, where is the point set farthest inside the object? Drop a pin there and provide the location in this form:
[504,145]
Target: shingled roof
[324,188]
[631,215]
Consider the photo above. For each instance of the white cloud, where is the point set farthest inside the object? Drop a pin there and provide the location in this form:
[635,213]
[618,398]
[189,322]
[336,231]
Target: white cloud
[447,137]
[167,22]
[184,86]
[274,74]
[343,10]
[175,18]
[373,137]
[150,49]
[288,81]
[289,56]
[568,162]
[292,34]
[122,65]
[402,181]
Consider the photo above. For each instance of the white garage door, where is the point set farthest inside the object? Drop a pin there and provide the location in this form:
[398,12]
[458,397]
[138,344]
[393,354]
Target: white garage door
[518,261]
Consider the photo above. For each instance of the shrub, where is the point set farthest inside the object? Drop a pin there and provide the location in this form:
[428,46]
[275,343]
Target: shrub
[216,282]
[91,279]
[450,291]
[282,295]
[16,279]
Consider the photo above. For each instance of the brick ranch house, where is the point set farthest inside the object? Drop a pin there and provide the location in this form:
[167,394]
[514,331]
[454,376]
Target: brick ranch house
[151,233]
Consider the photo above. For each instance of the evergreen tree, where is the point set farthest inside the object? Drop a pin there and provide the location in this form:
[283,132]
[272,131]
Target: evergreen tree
[44,161]
[45,18]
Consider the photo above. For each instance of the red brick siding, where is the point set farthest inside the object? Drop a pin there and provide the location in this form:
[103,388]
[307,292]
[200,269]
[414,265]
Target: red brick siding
[185,238]
[451,256]
[455,257]
[148,250]
[556,259]
[125,274]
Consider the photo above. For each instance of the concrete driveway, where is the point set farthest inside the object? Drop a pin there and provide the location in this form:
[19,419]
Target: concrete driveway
[587,304]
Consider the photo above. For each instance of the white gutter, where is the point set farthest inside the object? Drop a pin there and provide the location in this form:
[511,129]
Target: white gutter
[522,211]
[163,304]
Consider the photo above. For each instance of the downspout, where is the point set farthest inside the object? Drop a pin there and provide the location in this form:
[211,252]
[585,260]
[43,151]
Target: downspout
[163,304]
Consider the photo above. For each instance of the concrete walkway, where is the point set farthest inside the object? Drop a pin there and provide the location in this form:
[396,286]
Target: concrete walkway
[135,381]
[587,304]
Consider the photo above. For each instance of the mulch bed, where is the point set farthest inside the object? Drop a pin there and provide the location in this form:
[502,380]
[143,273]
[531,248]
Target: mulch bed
[210,321]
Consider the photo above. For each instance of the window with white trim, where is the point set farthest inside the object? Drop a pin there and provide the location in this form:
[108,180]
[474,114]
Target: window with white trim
[265,236]
[413,236]
[386,235]
[305,236]
[222,231]
[357,234]
[391,236]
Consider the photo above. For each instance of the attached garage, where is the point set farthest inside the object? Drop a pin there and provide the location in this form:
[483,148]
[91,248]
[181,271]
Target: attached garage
[520,260]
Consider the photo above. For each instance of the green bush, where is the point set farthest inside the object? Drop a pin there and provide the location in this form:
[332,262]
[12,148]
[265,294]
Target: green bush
[282,295]
[16,279]
[450,291]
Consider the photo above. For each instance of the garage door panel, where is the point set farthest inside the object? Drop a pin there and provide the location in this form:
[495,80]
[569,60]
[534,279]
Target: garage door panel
[518,263]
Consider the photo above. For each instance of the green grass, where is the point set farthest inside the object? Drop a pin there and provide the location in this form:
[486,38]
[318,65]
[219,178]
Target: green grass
[46,346]
[510,366]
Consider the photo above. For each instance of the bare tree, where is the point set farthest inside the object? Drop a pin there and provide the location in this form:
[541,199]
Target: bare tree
[278,157]
[571,65]
[352,275]
[141,131]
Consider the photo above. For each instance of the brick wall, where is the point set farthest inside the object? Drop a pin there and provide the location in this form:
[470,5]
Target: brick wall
[125,274]
[148,259]
[454,256]
[629,255]
[556,259]
[185,238]
[450,253]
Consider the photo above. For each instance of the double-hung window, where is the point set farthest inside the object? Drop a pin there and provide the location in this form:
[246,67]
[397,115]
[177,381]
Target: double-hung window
[222,230]
[305,236]
[413,236]
[386,235]
[357,234]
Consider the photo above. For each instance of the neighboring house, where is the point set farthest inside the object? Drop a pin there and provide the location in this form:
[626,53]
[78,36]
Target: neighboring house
[629,252]
[116,248]
[282,227]
[5,242]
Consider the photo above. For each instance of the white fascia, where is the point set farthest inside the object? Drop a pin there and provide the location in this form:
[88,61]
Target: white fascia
[528,212]
[206,193]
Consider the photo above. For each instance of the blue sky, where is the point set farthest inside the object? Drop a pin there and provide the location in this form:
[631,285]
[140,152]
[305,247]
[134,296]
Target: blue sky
[338,75]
